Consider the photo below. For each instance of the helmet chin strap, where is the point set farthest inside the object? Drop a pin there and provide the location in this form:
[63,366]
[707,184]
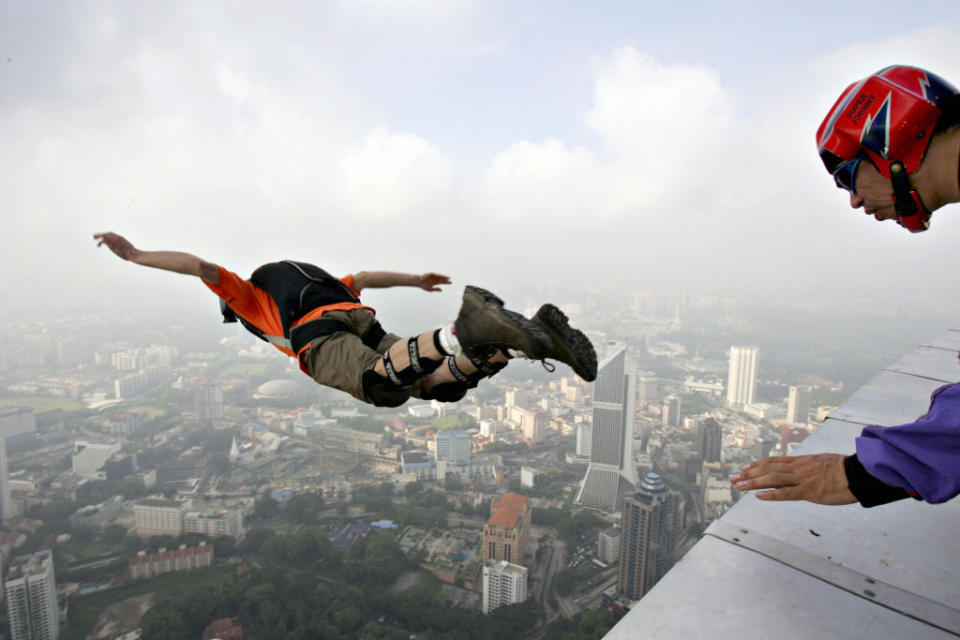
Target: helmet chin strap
[912,214]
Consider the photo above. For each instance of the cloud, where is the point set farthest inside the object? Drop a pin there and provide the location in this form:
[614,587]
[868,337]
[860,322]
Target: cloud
[656,123]
[395,174]
[655,115]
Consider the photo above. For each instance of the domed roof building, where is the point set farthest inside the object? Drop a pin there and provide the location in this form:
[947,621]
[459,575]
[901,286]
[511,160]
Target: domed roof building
[277,389]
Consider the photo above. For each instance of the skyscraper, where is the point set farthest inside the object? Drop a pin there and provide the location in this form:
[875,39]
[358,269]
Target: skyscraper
[584,439]
[709,439]
[646,386]
[31,591]
[503,583]
[650,527]
[6,509]
[532,426]
[453,446]
[208,400]
[798,404]
[671,411]
[742,376]
[611,472]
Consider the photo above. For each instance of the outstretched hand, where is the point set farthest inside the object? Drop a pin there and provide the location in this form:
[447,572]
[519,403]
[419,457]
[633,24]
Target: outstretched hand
[818,478]
[429,281]
[116,243]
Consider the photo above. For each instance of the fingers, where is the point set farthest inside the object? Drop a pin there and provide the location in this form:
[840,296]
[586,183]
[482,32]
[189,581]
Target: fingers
[778,495]
[769,480]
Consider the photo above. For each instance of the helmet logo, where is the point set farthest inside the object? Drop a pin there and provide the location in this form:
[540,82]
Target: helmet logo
[924,85]
[876,130]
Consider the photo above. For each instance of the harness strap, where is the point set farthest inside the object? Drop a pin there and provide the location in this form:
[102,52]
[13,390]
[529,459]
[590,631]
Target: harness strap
[374,335]
[391,371]
[414,350]
[304,334]
[911,211]
[455,370]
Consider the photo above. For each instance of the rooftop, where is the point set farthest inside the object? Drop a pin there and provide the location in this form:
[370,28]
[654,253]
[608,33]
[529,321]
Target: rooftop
[801,570]
[507,511]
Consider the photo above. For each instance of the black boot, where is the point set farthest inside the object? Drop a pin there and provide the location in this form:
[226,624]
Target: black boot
[569,345]
[483,326]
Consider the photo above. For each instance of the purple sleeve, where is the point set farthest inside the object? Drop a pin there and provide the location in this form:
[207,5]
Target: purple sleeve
[921,457]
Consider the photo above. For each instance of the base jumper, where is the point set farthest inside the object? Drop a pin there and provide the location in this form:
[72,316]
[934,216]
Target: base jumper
[318,319]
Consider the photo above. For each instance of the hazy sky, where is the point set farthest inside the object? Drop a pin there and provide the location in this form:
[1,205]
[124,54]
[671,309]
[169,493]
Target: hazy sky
[641,144]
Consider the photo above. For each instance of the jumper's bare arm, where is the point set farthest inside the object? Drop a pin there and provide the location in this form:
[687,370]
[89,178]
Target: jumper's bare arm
[384,279]
[175,261]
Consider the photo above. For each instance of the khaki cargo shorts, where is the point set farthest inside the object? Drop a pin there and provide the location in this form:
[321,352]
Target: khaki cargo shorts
[340,359]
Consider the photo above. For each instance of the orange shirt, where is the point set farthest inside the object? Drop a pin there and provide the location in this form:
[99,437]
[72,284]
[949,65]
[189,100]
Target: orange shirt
[255,305]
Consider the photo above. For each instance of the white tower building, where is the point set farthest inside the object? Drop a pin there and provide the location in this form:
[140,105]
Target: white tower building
[6,509]
[31,591]
[742,376]
[798,404]
[584,439]
[503,583]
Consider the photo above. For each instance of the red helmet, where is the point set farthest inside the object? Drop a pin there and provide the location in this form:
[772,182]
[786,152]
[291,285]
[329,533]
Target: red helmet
[888,117]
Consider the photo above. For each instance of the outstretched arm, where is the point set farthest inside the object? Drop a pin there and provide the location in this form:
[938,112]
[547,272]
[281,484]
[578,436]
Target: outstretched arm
[175,261]
[384,279]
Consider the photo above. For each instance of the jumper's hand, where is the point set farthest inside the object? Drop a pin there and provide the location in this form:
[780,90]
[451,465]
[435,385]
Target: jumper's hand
[118,244]
[818,478]
[429,281]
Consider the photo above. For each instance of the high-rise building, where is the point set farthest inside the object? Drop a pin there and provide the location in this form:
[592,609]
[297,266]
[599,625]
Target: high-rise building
[798,404]
[611,472]
[503,583]
[742,376]
[506,536]
[488,428]
[532,427]
[608,545]
[453,446]
[6,507]
[208,402]
[646,386]
[159,517]
[709,440]
[584,439]
[650,526]
[31,591]
[671,411]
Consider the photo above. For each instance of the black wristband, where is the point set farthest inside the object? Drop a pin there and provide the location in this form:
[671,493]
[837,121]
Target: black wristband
[869,491]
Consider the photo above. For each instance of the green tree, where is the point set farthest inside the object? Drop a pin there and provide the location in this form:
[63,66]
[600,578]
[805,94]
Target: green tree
[304,508]
[413,489]
[265,506]
[382,559]
[564,582]
[161,623]
[114,535]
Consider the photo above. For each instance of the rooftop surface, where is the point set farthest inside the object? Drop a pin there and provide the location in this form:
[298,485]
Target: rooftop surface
[800,570]
[506,511]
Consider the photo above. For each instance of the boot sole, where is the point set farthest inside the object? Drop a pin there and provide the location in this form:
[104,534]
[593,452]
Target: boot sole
[580,354]
[519,332]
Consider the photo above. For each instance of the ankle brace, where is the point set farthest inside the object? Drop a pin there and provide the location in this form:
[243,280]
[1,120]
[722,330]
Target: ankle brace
[419,367]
